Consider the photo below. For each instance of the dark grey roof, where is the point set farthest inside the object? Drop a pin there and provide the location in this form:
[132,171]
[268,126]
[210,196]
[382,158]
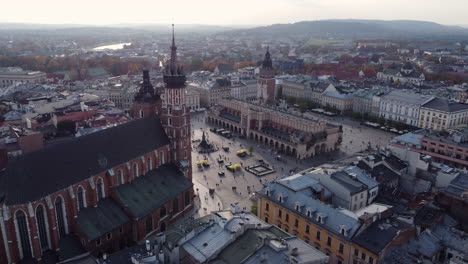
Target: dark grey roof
[70,246]
[146,194]
[225,68]
[376,237]
[443,104]
[95,222]
[40,173]
[352,185]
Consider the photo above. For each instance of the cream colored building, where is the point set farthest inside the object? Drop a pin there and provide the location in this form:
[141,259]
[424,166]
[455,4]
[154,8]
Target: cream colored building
[440,113]
[192,99]
[281,131]
[12,75]
[123,95]
[211,91]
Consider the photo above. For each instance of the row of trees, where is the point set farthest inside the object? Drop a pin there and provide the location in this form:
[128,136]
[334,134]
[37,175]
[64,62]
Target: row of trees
[376,119]
[113,65]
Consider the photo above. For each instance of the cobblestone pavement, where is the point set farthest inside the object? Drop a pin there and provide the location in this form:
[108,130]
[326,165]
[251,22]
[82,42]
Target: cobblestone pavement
[355,139]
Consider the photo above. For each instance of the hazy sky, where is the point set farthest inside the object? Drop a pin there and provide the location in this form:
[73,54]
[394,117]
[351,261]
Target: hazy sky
[222,12]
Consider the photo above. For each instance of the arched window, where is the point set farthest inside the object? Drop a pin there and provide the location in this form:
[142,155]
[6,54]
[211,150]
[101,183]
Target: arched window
[81,198]
[162,212]
[41,226]
[121,177]
[162,158]
[149,164]
[60,214]
[149,224]
[175,206]
[135,170]
[23,234]
[141,113]
[100,189]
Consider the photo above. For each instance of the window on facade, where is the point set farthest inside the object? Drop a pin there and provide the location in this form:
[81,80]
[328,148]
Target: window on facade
[371,260]
[287,217]
[266,219]
[280,213]
[149,164]
[23,234]
[187,198]
[121,177]
[41,226]
[280,199]
[341,249]
[296,222]
[161,158]
[162,212]
[267,207]
[318,235]
[363,256]
[100,189]
[81,198]
[308,213]
[109,236]
[307,229]
[60,214]
[175,206]
[135,170]
[149,224]
[98,242]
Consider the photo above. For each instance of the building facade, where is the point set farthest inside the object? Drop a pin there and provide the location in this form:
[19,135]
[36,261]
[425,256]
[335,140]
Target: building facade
[403,106]
[192,100]
[122,96]
[447,148]
[282,131]
[12,75]
[287,204]
[440,113]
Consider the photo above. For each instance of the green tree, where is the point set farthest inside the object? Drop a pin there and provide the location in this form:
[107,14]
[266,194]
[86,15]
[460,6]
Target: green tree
[254,209]
[196,64]
[291,100]
[251,149]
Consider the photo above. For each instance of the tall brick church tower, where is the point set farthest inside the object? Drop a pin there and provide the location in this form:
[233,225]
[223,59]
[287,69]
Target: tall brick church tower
[266,82]
[171,109]
[174,114]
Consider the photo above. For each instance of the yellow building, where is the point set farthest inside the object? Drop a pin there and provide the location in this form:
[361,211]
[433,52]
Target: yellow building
[293,205]
[440,113]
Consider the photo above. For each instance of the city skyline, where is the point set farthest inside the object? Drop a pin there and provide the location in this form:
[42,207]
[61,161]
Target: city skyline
[211,12]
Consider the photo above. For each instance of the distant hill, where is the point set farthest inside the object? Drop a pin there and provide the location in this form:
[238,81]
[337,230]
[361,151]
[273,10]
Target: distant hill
[352,28]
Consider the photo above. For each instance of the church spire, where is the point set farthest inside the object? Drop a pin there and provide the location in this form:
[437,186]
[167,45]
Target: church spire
[173,63]
[267,63]
[174,76]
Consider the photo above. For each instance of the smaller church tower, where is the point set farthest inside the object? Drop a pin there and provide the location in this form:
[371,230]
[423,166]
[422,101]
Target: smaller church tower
[175,115]
[266,82]
[146,100]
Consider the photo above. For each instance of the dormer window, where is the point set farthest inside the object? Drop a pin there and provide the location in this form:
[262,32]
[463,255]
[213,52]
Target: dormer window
[298,207]
[319,219]
[343,230]
[267,192]
[280,198]
[308,213]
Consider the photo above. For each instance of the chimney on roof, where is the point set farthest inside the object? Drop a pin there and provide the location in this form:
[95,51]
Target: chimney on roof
[323,198]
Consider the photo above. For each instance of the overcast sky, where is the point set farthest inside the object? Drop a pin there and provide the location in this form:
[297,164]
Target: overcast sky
[222,12]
